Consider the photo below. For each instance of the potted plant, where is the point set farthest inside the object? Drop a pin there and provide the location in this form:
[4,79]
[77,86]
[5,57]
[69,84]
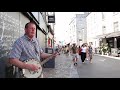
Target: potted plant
[104,48]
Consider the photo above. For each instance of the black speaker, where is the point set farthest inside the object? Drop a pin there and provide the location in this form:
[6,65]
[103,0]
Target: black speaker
[51,62]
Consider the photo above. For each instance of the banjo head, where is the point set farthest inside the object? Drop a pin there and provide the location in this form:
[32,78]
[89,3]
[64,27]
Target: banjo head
[32,74]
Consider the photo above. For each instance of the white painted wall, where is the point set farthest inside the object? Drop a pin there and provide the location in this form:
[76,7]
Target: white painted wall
[94,27]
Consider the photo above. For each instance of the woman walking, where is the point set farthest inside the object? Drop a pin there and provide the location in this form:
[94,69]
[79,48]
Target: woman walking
[90,53]
[83,52]
[74,54]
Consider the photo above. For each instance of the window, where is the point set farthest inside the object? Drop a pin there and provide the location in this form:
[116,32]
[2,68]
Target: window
[90,43]
[103,16]
[104,29]
[115,26]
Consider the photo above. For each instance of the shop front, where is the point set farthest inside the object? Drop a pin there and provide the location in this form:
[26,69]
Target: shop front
[113,40]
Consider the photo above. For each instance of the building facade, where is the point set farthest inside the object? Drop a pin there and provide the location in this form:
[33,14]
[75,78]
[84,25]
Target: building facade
[94,28]
[103,27]
[78,29]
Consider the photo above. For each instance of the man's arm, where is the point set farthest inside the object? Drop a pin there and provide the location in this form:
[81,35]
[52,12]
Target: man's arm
[20,64]
[17,63]
[45,55]
[77,50]
[15,54]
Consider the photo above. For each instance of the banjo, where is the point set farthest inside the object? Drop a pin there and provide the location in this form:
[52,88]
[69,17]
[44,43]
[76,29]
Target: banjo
[35,74]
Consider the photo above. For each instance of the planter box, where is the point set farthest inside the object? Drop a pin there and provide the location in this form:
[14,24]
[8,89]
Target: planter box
[114,51]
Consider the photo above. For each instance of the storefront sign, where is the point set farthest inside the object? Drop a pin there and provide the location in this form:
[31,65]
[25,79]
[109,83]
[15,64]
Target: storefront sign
[51,19]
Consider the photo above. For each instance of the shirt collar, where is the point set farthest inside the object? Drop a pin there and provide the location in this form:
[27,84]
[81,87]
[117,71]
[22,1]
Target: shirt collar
[33,39]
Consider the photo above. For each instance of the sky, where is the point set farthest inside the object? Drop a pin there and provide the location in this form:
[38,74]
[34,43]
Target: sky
[62,20]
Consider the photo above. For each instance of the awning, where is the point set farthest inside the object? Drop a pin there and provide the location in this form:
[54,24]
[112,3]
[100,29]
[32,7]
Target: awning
[114,34]
[100,36]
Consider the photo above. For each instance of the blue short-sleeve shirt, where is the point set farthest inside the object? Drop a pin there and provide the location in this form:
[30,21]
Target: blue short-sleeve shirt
[25,49]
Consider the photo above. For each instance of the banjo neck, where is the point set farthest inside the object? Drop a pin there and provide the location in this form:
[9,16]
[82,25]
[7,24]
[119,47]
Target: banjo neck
[47,59]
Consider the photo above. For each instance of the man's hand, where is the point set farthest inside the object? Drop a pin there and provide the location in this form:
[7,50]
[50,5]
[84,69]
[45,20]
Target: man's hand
[32,67]
[55,54]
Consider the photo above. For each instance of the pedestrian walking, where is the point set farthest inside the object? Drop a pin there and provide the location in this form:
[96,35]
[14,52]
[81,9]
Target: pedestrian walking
[90,53]
[83,52]
[79,51]
[87,54]
[74,50]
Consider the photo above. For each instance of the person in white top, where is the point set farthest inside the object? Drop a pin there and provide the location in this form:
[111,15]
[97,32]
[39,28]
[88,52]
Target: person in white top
[83,52]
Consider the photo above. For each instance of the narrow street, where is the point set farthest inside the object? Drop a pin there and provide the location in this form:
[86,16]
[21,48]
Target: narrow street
[102,67]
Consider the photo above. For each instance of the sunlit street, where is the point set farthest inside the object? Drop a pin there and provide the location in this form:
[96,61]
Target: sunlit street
[59,44]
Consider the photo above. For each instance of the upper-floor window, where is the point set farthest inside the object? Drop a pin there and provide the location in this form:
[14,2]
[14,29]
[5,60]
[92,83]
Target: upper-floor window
[104,29]
[94,18]
[116,28]
[103,16]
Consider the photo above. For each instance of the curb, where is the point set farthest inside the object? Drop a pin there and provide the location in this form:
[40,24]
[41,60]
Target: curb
[118,58]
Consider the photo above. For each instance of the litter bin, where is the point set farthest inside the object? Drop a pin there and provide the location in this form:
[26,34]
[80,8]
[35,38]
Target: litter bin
[51,62]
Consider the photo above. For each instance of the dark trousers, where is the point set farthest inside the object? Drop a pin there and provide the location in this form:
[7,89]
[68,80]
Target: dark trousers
[83,56]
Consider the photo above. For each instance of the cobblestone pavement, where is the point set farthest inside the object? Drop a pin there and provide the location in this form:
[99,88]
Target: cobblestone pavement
[64,68]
